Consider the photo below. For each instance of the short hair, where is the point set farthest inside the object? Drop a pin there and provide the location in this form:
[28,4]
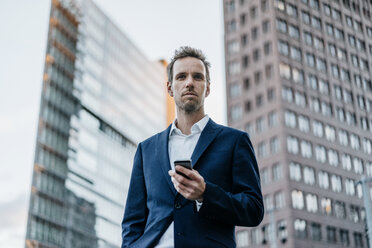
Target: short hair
[186,51]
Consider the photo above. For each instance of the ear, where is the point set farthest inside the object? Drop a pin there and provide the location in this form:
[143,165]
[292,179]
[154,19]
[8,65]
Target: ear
[208,89]
[169,88]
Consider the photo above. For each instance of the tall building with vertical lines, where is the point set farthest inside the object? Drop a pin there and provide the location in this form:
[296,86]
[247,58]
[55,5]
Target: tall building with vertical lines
[298,80]
[100,97]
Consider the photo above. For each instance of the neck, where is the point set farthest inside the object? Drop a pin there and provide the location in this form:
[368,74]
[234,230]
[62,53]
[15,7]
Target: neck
[186,120]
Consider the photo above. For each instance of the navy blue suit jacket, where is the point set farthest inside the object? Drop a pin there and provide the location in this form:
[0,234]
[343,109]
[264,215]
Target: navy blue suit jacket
[226,159]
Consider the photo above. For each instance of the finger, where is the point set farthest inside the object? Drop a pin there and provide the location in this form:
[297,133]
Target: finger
[192,174]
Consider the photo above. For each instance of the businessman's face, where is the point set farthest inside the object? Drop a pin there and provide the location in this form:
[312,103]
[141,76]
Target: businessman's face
[189,87]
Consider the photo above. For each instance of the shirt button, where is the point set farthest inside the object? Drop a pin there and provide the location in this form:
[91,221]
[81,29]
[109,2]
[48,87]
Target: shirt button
[177,205]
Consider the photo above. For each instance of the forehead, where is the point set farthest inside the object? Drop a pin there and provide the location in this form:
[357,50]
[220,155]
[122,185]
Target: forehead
[188,64]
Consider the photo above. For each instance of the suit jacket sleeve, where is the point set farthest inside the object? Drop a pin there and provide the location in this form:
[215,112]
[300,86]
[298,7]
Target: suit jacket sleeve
[243,206]
[135,215]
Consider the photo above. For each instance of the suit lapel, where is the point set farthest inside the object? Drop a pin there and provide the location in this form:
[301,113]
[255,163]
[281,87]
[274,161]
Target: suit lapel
[163,156]
[207,136]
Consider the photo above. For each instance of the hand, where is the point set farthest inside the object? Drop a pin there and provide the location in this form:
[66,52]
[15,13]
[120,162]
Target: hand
[191,189]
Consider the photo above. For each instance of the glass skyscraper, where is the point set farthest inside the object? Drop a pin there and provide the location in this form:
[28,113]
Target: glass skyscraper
[100,97]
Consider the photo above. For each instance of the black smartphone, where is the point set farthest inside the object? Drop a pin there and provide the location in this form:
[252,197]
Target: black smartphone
[184,163]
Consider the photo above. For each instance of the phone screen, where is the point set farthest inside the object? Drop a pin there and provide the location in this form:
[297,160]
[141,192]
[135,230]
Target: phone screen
[183,163]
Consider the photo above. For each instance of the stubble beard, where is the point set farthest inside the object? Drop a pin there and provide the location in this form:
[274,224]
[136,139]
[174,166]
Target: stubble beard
[189,107]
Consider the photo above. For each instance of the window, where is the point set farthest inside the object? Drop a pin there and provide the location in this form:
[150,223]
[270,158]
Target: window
[264,5]
[300,228]
[279,200]
[235,90]
[330,133]
[281,26]
[260,124]
[329,29]
[336,183]
[266,26]
[242,238]
[354,142]
[247,106]
[331,234]
[346,162]
[253,12]
[287,94]
[316,232]
[259,100]
[295,171]
[358,165]
[305,17]
[343,137]
[256,55]
[277,172]
[245,61]
[294,32]
[298,76]
[236,112]
[339,34]
[349,187]
[234,68]
[310,59]
[340,210]
[242,19]
[333,157]
[267,48]
[231,26]
[313,82]
[279,4]
[321,65]
[271,94]
[323,179]
[311,203]
[306,151]
[290,119]
[285,71]
[283,48]
[320,153]
[317,128]
[292,144]
[308,37]
[315,104]
[318,43]
[303,123]
[309,176]
[257,77]
[327,9]
[297,199]
[323,87]
[326,206]
[292,10]
[316,23]
[273,119]
[233,47]
[262,150]
[300,99]
[296,53]
[265,178]
[358,240]
[254,33]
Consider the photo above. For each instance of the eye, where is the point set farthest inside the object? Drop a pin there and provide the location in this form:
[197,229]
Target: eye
[198,77]
[181,76]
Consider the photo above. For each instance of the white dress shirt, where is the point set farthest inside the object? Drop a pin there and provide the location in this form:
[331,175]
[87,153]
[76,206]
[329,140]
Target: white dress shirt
[181,147]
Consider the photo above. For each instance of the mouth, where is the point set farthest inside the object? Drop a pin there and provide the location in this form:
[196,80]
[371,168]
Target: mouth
[189,94]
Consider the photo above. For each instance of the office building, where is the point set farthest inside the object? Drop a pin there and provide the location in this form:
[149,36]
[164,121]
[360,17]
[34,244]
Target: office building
[100,97]
[298,80]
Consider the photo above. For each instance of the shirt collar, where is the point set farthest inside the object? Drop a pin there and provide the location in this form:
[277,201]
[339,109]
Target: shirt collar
[197,127]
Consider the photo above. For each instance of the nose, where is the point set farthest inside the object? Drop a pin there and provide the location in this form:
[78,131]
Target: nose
[189,82]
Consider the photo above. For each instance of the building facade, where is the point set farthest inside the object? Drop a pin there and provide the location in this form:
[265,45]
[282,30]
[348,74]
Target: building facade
[100,97]
[298,80]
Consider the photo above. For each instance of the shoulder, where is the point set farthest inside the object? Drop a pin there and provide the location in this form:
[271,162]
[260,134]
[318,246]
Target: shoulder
[225,130]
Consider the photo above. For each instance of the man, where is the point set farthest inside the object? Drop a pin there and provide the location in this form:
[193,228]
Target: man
[201,207]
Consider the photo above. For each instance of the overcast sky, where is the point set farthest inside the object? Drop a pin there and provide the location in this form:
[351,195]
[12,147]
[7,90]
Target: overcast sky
[156,27]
